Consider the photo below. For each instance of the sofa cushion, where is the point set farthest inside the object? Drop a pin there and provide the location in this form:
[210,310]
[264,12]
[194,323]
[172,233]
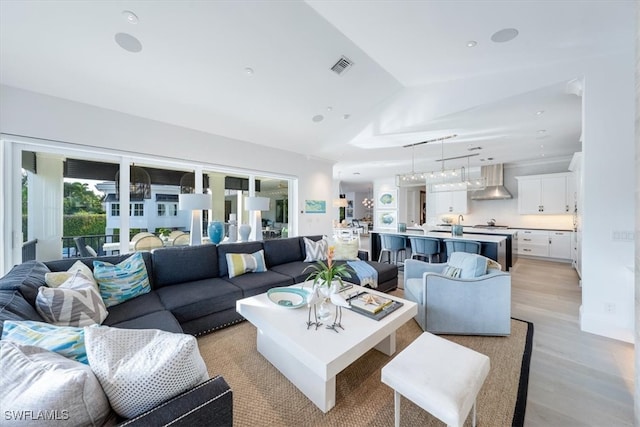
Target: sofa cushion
[76,302]
[315,251]
[25,278]
[121,282]
[136,307]
[282,251]
[470,265]
[126,361]
[254,284]
[295,270]
[14,306]
[169,264]
[37,380]
[239,264]
[65,340]
[162,320]
[234,248]
[192,300]
[57,278]
[66,263]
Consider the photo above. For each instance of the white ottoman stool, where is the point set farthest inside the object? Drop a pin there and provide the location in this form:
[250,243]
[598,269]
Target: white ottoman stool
[440,376]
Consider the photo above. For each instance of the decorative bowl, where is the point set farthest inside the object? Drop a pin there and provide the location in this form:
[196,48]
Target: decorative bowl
[288,297]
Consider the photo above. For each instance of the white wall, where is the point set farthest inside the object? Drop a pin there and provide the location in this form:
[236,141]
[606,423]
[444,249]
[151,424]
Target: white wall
[609,183]
[39,116]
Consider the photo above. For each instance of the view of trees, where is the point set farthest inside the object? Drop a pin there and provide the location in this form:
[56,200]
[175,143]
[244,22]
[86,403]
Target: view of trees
[78,199]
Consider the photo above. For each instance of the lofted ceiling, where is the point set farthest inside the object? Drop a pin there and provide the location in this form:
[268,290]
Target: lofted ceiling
[260,71]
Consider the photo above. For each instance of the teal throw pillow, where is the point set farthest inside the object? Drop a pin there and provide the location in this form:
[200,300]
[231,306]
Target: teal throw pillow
[67,341]
[121,282]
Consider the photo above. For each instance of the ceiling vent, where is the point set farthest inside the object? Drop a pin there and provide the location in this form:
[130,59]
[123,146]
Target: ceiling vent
[342,65]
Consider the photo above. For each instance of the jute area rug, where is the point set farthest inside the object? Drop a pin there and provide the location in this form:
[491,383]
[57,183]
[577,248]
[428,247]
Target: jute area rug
[262,396]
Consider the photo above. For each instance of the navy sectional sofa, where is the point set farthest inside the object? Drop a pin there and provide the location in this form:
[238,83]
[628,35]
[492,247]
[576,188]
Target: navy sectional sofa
[191,292]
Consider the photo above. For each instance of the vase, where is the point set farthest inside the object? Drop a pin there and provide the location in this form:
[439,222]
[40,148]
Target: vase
[216,232]
[233,228]
[244,230]
[325,311]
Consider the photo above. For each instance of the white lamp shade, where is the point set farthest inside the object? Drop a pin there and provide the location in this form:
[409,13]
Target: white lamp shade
[340,203]
[256,203]
[194,202]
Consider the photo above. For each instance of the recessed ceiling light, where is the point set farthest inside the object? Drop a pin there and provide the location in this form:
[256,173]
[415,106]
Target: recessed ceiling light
[346,116]
[472,43]
[542,131]
[329,108]
[128,42]
[504,35]
[130,17]
[356,173]
[248,71]
[317,118]
[540,112]
[541,146]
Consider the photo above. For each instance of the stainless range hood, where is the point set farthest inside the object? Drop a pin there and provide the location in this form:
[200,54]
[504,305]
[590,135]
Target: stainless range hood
[495,189]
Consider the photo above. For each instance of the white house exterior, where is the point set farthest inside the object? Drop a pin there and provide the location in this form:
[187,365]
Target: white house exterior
[160,211]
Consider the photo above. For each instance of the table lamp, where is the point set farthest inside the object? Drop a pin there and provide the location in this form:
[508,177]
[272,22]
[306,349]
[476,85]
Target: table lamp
[257,205]
[195,203]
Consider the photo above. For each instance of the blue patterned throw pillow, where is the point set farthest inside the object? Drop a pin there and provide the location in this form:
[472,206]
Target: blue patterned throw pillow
[65,340]
[121,282]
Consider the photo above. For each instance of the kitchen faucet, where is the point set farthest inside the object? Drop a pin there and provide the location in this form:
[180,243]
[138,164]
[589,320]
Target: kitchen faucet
[460,218]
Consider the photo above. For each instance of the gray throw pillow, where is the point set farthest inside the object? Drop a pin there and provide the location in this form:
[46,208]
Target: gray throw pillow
[43,388]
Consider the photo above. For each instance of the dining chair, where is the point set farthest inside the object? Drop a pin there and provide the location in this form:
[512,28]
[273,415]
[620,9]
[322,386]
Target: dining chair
[147,243]
[182,240]
[140,235]
[424,247]
[171,238]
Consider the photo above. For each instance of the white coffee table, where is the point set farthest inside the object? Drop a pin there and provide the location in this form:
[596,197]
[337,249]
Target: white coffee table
[311,358]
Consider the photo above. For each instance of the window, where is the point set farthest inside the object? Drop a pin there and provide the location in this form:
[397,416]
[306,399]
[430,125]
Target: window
[167,209]
[115,209]
[137,209]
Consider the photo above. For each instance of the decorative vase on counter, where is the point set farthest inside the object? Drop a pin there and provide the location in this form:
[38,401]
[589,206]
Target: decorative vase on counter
[456,230]
[244,230]
[216,232]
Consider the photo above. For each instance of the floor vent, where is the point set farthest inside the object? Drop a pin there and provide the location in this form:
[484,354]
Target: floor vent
[342,65]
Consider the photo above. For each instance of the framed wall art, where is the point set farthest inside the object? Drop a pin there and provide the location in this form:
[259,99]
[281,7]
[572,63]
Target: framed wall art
[387,199]
[315,206]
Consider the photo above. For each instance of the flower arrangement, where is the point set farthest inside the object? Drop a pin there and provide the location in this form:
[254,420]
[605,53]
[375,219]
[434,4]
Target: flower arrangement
[325,273]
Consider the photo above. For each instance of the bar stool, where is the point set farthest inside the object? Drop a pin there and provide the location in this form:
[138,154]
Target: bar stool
[392,246]
[424,247]
[454,245]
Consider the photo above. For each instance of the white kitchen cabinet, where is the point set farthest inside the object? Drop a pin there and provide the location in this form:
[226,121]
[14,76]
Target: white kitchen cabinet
[533,242]
[450,202]
[544,194]
[545,243]
[560,244]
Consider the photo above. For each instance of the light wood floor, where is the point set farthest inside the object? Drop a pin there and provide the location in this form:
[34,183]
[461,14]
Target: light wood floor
[576,378]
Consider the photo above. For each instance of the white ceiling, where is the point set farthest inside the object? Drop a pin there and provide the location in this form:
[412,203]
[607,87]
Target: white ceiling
[413,77]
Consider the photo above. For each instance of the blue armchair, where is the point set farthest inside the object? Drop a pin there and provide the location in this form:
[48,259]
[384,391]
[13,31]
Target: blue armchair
[453,305]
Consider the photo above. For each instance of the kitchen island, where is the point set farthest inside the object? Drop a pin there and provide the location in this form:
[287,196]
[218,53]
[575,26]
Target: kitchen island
[491,246]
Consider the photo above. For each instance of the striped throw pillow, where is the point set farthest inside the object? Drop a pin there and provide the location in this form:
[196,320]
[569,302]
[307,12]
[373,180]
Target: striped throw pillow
[239,264]
[121,282]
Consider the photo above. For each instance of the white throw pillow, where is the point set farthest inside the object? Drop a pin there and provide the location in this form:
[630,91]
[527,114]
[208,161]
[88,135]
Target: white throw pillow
[141,368]
[43,388]
[57,278]
[76,302]
[345,250]
[471,265]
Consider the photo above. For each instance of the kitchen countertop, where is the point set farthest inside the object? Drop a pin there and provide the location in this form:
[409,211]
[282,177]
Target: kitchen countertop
[485,238]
